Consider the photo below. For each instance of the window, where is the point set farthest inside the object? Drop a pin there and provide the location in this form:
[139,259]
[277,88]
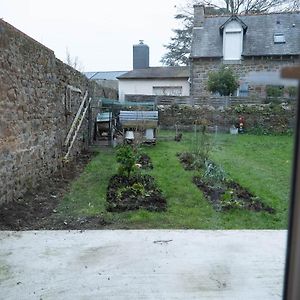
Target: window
[232,41]
[167,90]
[279,38]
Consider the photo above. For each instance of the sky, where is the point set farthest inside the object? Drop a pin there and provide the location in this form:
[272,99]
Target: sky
[100,33]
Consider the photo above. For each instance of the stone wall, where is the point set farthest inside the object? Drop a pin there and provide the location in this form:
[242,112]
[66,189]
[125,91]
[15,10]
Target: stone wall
[259,118]
[34,120]
[200,69]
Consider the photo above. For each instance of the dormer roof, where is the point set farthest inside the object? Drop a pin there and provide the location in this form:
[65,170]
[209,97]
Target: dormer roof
[234,18]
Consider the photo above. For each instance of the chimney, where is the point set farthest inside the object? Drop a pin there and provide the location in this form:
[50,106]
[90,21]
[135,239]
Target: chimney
[198,15]
[140,56]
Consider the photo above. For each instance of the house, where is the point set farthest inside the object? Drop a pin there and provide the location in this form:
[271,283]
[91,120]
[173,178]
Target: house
[256,47]
[144,80]
[167,81]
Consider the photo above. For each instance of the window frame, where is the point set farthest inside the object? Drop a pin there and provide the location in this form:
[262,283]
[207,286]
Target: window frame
[277,40]
[291,289]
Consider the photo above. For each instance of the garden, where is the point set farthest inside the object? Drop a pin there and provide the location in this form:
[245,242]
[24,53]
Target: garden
[243,182]
[201,178]
[250,188]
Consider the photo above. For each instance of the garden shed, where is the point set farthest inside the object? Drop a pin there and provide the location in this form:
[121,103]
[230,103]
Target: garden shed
[104,122]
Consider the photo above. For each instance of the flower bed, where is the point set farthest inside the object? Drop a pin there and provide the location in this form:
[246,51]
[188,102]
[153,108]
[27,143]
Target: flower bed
[230,195]
[130,189]
[222,192]
[135,192]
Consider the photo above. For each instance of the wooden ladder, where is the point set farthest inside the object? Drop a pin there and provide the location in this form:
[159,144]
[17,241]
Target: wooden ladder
[76,124]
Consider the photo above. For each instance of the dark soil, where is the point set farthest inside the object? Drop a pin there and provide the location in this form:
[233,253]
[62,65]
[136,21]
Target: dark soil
[240,197]
[189,161]
[145,161]
[132,193]
[37,209]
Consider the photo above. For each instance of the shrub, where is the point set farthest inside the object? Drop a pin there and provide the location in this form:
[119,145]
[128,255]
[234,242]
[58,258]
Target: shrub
[223,81]
[274,91]
[127,159]
[292,91]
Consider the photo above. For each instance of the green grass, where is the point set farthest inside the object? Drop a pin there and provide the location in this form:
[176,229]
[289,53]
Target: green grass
[260,163]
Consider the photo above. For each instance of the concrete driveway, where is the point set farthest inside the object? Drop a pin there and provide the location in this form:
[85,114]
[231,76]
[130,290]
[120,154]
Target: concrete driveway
[142,264]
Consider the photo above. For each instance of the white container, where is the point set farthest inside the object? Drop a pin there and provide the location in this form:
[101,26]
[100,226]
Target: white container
[149,134]
[129,135]
[234,130]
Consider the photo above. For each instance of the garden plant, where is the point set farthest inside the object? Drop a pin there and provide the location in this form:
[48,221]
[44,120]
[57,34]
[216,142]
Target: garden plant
[131,189]
[247,160]
[213,181]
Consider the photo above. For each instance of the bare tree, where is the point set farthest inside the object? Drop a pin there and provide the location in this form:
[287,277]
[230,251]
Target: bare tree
[250,6]
[294,5]
[73,62]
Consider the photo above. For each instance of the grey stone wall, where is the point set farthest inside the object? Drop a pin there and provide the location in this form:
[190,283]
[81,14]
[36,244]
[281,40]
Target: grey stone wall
[33,118]
[259,118]
[200,69]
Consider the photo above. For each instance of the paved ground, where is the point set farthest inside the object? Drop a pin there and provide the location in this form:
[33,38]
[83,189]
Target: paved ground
[142,264]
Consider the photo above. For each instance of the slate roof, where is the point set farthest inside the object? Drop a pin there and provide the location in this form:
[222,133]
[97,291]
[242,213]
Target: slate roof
[234,18]
[258,40]
[157,73]
[106,75]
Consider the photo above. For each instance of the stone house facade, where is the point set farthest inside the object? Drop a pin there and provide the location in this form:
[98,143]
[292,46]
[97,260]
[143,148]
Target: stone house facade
[256,47]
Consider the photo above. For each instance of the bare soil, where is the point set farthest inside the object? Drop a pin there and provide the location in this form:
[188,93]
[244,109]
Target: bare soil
[133,193]
[37,209]
[226,195]
[145,161]
[239,196]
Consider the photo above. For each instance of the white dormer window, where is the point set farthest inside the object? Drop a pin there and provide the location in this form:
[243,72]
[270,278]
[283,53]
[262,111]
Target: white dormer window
[279,38]
[232,41]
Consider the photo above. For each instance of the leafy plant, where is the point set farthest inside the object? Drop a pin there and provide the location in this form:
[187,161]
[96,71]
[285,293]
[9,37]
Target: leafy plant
[292,91]
[230,200]
[274,91]
[213,173]
[127,159]
[137,189]
[223,81]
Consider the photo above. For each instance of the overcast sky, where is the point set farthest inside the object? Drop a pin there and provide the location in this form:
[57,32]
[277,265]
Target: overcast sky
[100,32]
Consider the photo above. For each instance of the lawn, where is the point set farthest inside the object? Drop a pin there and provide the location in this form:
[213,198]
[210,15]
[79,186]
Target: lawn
[260,163]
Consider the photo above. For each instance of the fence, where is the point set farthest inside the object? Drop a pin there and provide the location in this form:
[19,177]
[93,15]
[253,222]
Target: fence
[188,100]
